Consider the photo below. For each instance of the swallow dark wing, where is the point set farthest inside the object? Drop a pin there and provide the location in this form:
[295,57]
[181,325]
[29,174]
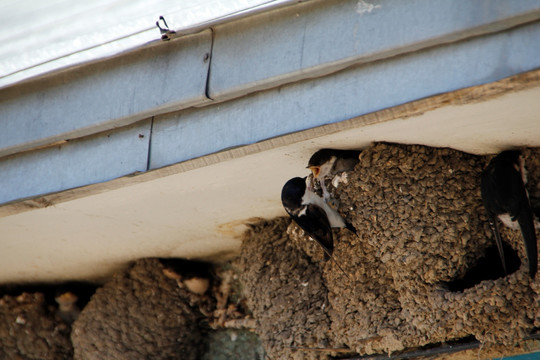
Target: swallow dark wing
[503,192]
[494,205]
[345,164]
[498,240]
[519,208]
[524,217]
[315,223]
[346,160]
[535,205]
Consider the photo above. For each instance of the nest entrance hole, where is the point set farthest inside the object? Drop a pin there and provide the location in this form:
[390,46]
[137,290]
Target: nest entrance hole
[489,267]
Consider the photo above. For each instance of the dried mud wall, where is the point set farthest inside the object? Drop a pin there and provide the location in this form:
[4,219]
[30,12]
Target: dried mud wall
[154,309]
[30,330]
[138,314]
[421,226]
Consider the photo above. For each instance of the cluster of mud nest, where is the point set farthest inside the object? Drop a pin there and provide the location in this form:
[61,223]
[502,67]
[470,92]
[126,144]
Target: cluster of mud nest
[29,329]
[156,308]
[404,280]
[139,313]
[421,229]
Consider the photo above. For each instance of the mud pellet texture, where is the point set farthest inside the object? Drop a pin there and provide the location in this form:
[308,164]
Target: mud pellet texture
[420,225]
[285,292]
[421,208]
[29,330]
[139,314]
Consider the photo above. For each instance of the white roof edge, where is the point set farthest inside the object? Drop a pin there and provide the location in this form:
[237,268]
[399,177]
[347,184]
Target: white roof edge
[127,43]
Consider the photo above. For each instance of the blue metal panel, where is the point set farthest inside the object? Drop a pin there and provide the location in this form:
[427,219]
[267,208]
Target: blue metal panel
[323,36]
[105,95]
[76,163]
[357,91]
[532,356]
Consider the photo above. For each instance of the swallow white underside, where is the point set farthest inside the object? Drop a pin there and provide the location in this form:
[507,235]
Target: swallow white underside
[333,216]
[506,219]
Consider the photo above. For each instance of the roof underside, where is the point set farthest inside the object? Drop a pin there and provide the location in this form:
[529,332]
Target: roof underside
[169,149]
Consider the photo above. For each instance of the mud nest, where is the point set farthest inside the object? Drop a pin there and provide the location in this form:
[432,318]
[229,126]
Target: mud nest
[139,314]
[285,291]
[30,330]
[421,227]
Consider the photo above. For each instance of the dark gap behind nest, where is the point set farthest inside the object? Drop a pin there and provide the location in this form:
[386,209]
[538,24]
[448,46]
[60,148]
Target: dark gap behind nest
[189,268]
[488,267]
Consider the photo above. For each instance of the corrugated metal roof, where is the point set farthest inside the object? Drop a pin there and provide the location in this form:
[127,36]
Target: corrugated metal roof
[37,37]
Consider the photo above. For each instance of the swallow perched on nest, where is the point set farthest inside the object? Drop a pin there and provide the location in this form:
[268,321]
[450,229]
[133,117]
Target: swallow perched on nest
[328,162]
[312,213]
[505,198]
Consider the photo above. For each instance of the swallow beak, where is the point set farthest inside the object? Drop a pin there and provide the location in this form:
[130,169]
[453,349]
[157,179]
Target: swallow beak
[316,170]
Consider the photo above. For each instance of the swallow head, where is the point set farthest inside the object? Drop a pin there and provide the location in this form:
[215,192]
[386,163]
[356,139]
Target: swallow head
[291,195]
[326,162]
[501,183]
[321,162]
[512,158]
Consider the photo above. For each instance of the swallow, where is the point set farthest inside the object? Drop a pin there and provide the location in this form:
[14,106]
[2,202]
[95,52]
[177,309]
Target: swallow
[535,204]
[328,162]
[506,199]
[312,213]
[68,310]
[164,29]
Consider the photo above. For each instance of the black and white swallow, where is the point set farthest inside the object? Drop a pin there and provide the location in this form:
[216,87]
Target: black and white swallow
[328,162]
[535,204]
[164,29]
[312,213]
[505,198]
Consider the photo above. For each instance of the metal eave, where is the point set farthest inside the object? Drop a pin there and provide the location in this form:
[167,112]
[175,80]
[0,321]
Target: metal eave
[343,95]
[105,95]
[35,40]
[84,111]
[321,37]
[250,52]
[196,132]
